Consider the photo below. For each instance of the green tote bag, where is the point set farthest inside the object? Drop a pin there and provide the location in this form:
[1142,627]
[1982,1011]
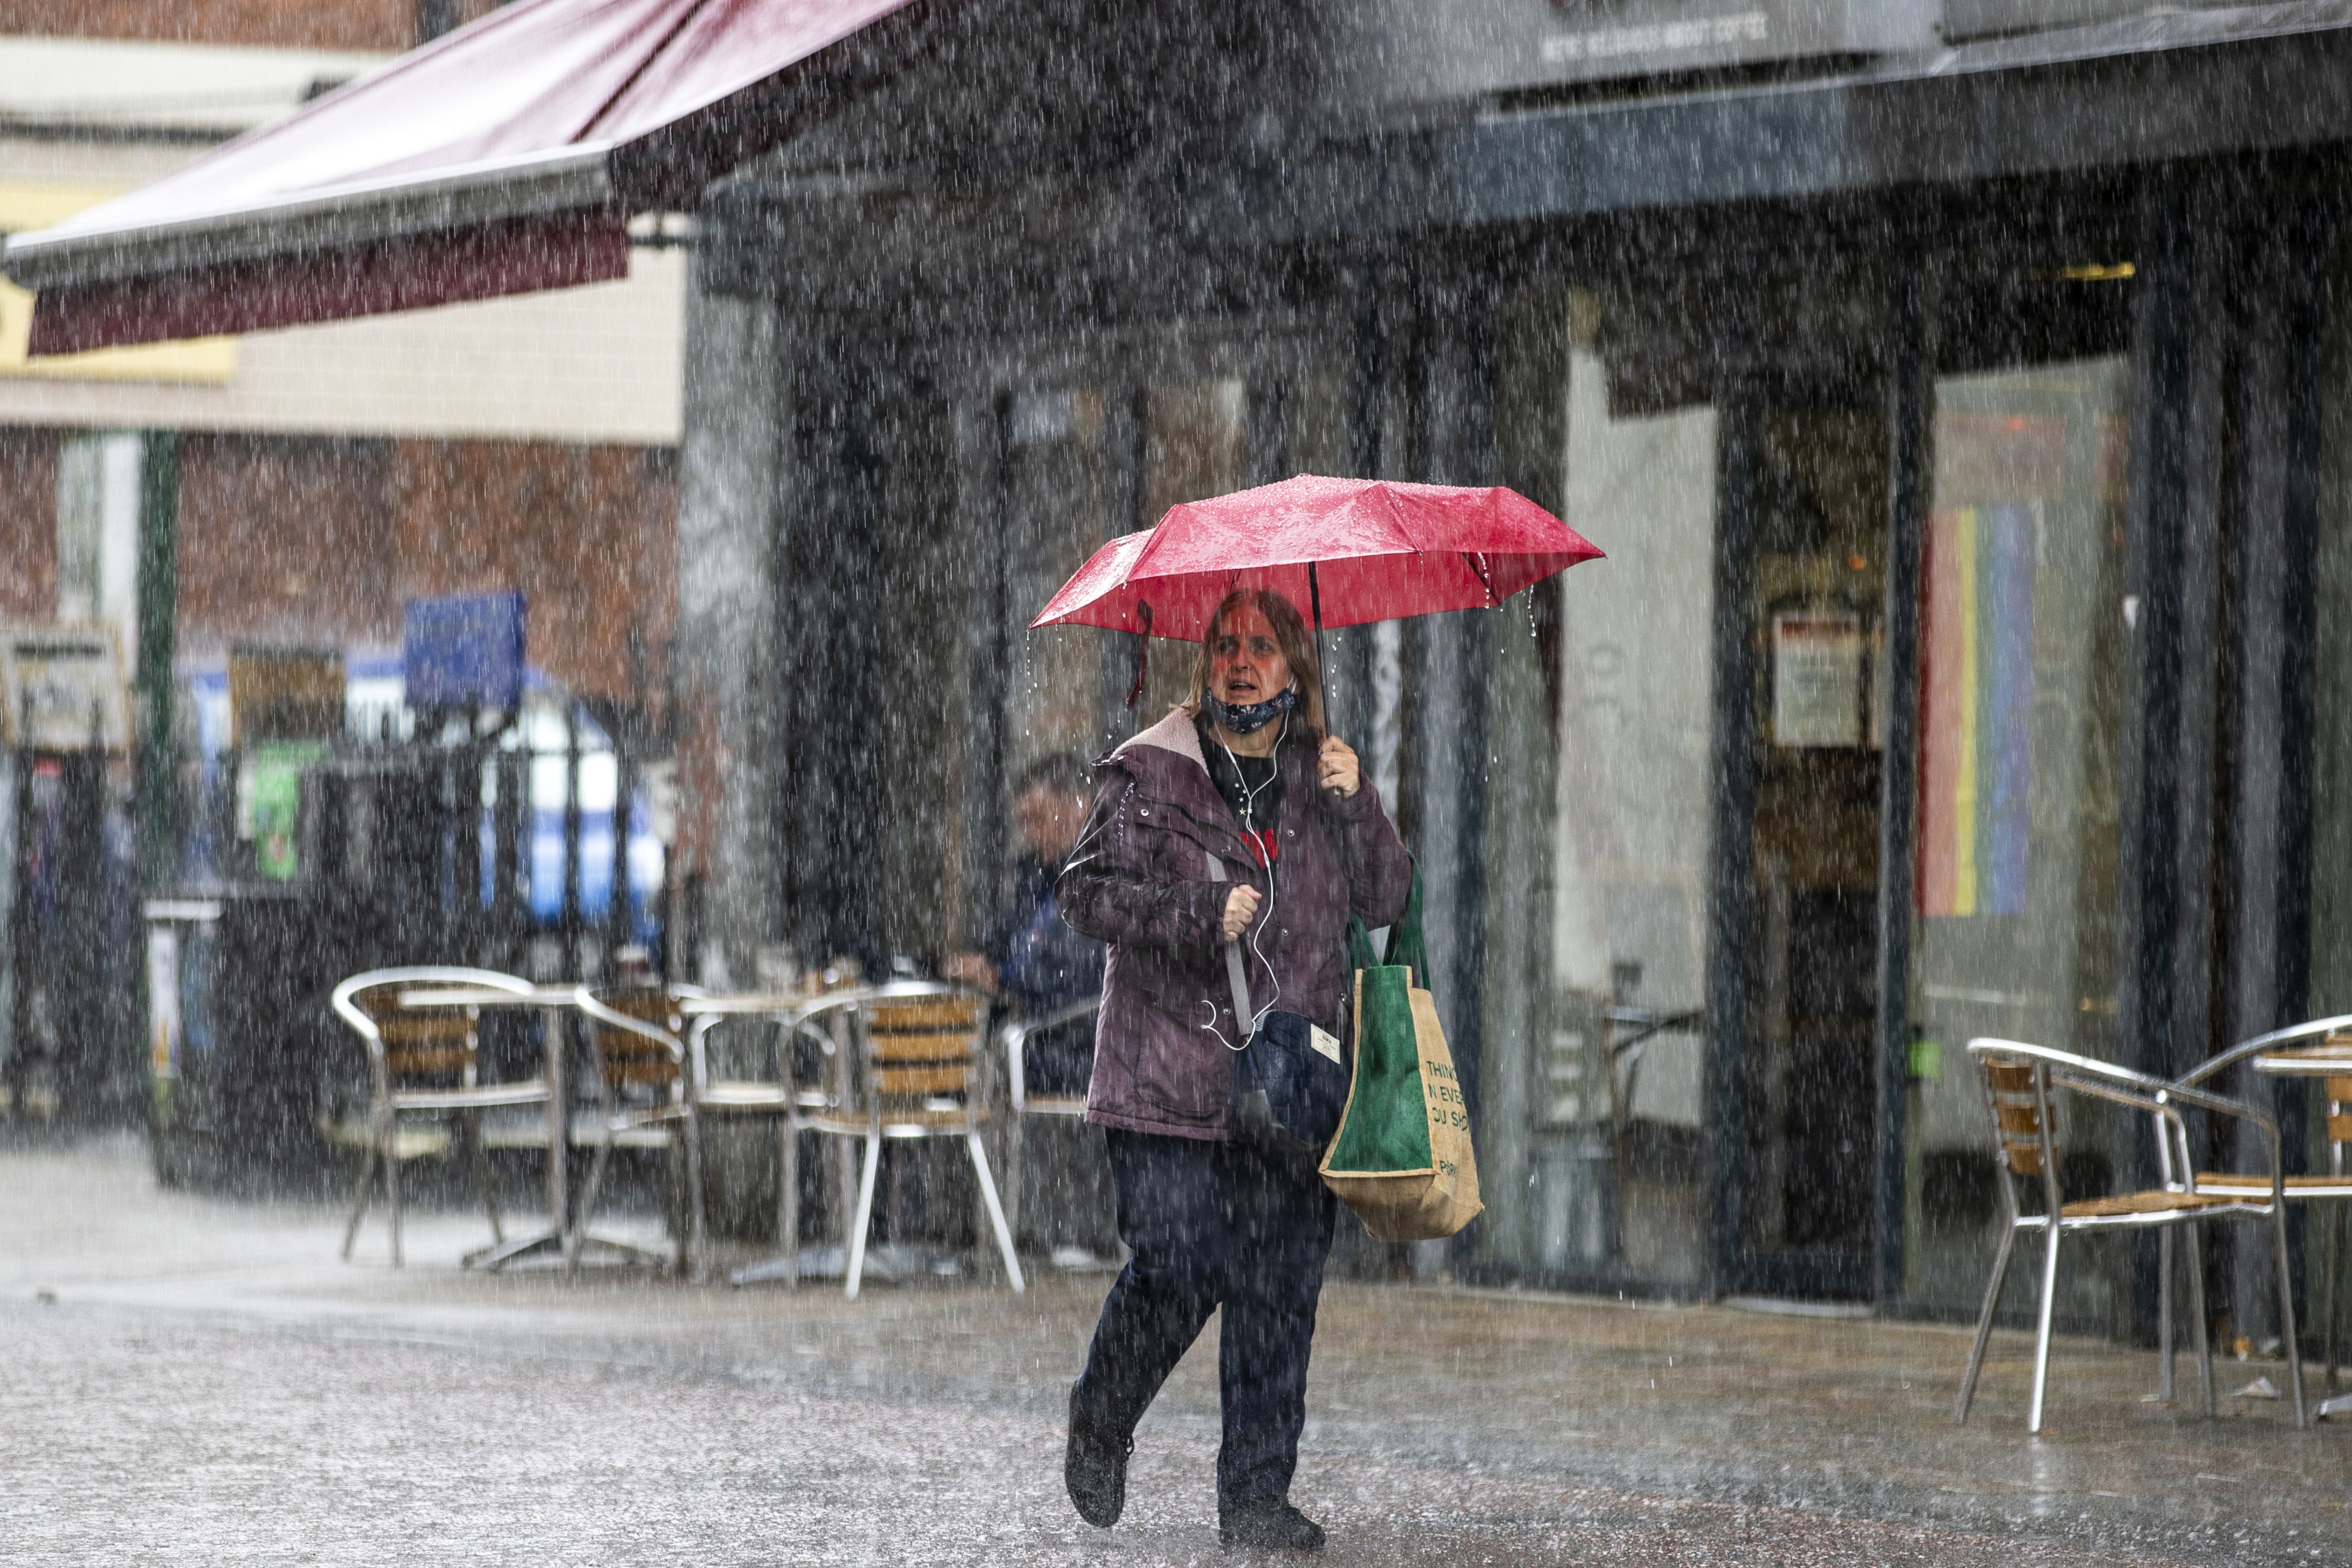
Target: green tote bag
[1402,1158]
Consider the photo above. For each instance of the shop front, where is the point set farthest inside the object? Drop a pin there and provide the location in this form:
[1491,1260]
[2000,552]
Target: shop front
[1952,671]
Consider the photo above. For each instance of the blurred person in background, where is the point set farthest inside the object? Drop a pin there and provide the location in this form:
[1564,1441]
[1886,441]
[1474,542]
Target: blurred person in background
[1027,955]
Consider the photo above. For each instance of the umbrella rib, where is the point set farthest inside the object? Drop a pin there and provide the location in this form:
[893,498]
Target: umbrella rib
[1476,562]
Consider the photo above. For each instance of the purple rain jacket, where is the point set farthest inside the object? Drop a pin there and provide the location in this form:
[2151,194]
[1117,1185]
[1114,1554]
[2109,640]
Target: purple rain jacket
[1140,881]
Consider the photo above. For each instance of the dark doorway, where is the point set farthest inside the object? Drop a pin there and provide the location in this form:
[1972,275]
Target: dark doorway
[1801,718]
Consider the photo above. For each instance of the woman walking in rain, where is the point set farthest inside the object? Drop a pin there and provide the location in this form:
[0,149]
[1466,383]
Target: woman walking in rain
[1235,818]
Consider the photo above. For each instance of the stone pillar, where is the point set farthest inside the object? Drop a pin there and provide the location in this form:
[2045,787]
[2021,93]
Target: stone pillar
[730,483]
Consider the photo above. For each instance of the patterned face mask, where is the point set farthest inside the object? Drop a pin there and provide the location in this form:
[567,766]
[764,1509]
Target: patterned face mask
[1251,717]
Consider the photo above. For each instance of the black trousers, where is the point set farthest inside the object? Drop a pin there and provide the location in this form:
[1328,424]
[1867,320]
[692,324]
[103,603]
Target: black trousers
[1213,1224]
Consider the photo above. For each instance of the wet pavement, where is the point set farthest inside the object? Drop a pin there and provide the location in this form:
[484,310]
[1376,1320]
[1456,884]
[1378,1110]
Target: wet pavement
[198,1380]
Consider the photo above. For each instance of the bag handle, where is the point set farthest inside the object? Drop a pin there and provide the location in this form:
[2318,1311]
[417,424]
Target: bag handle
[1406,945]
[1235,974]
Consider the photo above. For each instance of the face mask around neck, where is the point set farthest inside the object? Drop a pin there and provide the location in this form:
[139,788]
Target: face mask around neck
[1250,717]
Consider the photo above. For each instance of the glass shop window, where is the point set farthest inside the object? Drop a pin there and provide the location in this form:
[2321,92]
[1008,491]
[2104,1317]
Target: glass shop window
[2023,636]
[1616,1105]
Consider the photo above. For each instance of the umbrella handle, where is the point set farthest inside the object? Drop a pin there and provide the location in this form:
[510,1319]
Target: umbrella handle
[1143,654]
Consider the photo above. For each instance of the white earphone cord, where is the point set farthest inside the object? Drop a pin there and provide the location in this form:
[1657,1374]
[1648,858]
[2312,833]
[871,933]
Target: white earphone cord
[1273,883]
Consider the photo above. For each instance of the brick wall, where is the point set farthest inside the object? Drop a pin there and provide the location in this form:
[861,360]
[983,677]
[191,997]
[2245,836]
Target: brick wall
[588,533]
[28,526]
[263,24]
[282,540]
[310,540]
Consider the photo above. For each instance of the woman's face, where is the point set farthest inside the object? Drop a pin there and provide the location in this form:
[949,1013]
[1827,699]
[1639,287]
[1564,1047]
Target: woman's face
[1246,663]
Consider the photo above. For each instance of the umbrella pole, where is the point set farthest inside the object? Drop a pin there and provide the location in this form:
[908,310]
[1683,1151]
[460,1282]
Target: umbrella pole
[1314,599]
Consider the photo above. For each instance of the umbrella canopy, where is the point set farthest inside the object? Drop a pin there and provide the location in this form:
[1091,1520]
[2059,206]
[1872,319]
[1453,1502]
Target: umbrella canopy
[1351,551]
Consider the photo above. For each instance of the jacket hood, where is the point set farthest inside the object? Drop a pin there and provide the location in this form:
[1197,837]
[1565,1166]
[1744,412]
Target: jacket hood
[1173,733]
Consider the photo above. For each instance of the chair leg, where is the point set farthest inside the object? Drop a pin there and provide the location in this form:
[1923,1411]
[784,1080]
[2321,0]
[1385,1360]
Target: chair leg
[587,1209]
[995,1213]
[2042,1325]
[856,1272]
[787,1199]
[367,1189]
[844,1188]
[697,1251]
[2197,1315]
[391,1182]
[473,1127]
[2165,1389]
[1015,1153]
[1984,1324]
[2286,1313]
[2328,1284]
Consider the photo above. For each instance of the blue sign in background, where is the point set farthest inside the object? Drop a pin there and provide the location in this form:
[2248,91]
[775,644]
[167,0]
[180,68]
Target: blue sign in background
[462,650]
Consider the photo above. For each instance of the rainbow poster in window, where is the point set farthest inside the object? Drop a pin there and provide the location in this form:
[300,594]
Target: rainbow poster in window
[1975,703]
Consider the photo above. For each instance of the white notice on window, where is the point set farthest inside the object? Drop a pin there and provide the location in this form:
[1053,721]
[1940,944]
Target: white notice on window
[1817,658]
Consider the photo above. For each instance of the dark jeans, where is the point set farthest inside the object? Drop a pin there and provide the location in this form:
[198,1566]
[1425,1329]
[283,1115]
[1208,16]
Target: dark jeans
[1214,1225]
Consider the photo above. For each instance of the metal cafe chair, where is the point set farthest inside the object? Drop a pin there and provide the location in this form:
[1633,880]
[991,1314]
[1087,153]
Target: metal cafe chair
[424,1061]
[916,1068]
[1021,1104]
[2320,1049]
[639,1062]
[2020,1082]
[784,1094]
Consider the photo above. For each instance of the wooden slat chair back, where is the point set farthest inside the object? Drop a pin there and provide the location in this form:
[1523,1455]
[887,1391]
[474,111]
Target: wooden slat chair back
[632,1061]
[438,1043]
[925,1051]
[2019,1103]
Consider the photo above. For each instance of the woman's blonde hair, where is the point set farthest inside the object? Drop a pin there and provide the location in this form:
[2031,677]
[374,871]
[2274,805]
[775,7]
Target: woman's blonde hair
[1290,635]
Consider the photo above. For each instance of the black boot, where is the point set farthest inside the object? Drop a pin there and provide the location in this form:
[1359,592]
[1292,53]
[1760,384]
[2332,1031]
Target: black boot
[1094,1466]
[1270,1524]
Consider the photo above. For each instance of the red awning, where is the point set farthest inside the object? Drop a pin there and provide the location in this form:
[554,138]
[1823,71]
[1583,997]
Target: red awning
[504,158]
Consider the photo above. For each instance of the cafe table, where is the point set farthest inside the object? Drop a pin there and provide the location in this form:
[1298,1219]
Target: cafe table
[565,1237]
[2330,1059]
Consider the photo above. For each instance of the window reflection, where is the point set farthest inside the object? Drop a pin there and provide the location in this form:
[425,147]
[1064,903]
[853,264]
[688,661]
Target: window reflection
[2020,692]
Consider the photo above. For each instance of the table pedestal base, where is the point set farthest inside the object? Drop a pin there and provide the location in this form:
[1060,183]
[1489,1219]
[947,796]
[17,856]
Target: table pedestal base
[586,1250]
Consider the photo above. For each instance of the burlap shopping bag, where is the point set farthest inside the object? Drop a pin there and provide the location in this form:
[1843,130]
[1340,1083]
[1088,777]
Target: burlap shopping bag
[1402,1158]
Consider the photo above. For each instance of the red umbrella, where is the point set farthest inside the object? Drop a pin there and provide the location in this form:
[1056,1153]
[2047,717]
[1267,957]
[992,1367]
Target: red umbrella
[1350,550]
[1353,550]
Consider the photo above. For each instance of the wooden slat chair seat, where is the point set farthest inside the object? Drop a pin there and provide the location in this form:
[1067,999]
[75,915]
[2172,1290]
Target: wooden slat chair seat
[915,1067]
[2154,1204]
[425,1060]
[2021,1084]
[2296,1187]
